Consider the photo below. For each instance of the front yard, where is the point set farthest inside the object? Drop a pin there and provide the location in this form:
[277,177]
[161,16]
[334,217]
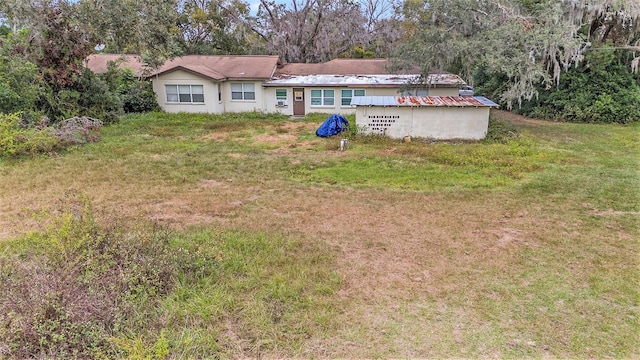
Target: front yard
[527,248]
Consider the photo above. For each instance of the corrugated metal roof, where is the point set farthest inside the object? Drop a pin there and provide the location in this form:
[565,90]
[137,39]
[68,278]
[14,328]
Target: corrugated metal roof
[452,101]
[435,80]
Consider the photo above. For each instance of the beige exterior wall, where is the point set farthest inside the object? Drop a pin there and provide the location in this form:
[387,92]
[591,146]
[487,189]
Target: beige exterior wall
[211,88]
[425,122]
[269,101]
[337,108]
[180,77]
[444,92]
[243,105]
[265,97]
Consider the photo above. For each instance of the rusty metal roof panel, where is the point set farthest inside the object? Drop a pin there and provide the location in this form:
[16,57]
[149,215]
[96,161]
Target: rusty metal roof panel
[429,101]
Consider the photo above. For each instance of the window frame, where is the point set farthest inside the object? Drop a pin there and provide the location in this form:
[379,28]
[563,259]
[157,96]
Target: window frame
[325,100]
[281,97]
[182,93]
[243,92]
[352,95]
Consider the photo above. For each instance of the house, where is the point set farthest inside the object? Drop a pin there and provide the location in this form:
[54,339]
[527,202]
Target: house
[217,84]
[436,117]
[297,89]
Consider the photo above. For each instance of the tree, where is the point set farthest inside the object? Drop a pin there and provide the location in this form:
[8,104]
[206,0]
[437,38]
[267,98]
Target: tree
[310,30]
[51,40]
[145,27]
[530,42]
[210,27]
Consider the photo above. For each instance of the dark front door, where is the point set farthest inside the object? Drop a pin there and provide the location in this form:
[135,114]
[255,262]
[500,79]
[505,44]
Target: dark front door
[298,101]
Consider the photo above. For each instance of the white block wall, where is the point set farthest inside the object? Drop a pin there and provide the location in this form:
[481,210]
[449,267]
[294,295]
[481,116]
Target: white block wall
[424,122]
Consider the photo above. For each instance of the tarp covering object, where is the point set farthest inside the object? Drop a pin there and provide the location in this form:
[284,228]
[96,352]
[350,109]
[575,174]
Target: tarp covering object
[334,124]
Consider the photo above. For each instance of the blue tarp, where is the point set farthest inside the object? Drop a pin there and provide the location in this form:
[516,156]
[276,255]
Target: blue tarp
[334,124]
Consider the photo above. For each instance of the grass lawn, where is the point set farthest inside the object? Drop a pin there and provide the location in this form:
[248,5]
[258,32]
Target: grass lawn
[527,248]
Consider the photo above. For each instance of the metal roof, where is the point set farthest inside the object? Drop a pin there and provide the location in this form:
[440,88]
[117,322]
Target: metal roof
[380,80]
[450,101]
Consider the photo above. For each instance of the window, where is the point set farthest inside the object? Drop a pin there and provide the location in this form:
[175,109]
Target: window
[348,94]
[322,97]
[281,97]
[243,91]
[185,93]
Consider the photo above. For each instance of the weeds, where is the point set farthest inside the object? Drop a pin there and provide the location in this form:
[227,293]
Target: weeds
[19,139]
[78,283]
[518,248]
[500,131]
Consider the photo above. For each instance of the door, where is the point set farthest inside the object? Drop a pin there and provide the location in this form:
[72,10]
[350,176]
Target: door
[298,101]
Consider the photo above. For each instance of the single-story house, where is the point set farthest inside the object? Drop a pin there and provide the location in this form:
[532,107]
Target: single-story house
[217,84]
[297,89]
[436,117]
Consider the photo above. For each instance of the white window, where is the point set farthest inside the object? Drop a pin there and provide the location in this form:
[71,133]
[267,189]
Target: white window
[322,98]
[188,94]
[348,94]
[243,91]
[281,97]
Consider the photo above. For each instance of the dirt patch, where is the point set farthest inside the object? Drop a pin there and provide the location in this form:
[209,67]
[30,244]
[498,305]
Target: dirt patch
[217,136]
[298,126]
[274,139]
[611,212]
[517,119]
[212,183]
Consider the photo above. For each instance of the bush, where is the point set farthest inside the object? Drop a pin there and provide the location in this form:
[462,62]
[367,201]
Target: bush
[602,89]
[139,98]
[20,138]
[137,95]
[88,96]
[500,131]
[16,140]
[79,284]
[19,86]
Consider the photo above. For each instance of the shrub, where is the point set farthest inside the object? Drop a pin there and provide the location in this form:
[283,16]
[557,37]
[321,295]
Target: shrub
[137,95]
[77,284]
[600,91]
[20,138]
[500,131]
[16,140]
[87,96]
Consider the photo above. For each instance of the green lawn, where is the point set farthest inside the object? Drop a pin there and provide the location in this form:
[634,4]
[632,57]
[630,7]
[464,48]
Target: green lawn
[522,248]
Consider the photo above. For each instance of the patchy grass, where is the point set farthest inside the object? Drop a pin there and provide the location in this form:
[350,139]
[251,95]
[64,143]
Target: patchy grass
[526,247]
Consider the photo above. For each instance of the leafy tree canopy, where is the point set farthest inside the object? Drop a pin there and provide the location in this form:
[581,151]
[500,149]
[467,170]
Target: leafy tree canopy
[530,42]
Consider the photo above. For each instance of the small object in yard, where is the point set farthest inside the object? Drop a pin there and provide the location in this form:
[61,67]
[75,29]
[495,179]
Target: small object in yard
[406,139]
[343,144]
[334,124]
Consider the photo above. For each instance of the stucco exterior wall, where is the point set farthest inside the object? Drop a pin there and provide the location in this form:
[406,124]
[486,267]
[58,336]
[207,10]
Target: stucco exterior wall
[426,122]
[269,101]
[444,92]
[337,108]
[231,105]
[180,77]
